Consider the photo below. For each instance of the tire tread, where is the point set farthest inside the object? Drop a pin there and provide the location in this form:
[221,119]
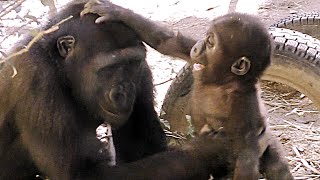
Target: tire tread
[311,18]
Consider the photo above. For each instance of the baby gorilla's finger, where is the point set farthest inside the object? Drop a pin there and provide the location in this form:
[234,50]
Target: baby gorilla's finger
[102,19]
[93,2]
[97,7]
[84,12]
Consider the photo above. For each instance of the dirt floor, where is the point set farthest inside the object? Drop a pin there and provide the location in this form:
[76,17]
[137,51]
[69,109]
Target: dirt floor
[295,122]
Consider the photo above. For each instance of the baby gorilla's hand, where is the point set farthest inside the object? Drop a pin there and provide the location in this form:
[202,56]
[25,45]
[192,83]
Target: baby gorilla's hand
[104,8]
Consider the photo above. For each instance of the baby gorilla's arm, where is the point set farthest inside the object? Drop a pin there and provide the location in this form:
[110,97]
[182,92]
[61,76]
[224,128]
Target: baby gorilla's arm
[155,35]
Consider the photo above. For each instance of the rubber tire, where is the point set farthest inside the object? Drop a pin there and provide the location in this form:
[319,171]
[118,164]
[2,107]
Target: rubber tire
[308,23]
[295,62]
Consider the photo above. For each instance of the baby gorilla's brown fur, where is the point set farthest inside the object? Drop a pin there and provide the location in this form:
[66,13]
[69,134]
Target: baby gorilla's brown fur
[225,95]
[227,66]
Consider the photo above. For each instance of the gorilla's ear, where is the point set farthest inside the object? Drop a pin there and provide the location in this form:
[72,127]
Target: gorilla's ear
[241,66]
[65,45]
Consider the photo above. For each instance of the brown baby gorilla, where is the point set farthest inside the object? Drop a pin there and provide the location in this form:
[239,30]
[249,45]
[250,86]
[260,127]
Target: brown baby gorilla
[71,80]
[227,66]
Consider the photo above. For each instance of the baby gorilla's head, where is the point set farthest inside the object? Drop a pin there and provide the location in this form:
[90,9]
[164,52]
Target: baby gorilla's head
[237,47]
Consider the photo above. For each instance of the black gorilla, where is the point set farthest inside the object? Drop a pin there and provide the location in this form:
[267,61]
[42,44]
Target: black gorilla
[71,81]
[68,83]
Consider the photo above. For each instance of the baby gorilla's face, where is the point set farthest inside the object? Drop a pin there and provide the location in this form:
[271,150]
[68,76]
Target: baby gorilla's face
[234,48]
[211,64]
[203,51]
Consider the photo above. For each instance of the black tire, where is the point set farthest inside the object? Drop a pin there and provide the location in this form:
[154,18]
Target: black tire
[308,23]
[295,62]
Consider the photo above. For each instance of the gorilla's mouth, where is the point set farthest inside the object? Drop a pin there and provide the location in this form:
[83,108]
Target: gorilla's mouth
[115,119]
[198,67]
[108,112]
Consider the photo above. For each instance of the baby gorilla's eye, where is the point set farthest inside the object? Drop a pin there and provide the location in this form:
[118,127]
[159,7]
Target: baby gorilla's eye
[210,41]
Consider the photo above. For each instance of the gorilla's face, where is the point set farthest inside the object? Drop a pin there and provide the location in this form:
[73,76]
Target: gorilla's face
[103,80]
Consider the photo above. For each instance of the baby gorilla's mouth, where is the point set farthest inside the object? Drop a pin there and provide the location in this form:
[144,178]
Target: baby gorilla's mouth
[198,67]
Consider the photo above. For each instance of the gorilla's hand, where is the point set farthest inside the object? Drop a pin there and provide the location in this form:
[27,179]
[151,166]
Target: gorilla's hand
[107,10]
[214,149]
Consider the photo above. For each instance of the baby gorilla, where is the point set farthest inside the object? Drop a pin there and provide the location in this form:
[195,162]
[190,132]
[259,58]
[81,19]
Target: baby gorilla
[227,66]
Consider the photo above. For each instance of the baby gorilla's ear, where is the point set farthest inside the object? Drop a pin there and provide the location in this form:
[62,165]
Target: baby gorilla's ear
[241,66]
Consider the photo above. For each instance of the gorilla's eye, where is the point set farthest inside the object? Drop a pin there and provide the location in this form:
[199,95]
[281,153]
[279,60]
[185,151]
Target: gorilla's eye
[210,40]
[262,131]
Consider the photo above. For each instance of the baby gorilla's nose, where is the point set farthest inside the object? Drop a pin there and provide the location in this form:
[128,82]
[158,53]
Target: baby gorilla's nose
[198,49]
[195,50]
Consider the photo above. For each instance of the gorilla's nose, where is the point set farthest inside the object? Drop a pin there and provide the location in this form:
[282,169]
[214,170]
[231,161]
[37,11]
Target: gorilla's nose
[197,49]
[119,97]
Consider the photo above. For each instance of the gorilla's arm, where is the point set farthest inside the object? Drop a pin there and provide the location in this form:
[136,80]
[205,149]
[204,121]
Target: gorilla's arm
[155,35]
[203,156]
[167,165]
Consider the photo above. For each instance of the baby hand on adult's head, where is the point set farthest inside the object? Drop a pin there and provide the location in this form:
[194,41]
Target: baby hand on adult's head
[107,10]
